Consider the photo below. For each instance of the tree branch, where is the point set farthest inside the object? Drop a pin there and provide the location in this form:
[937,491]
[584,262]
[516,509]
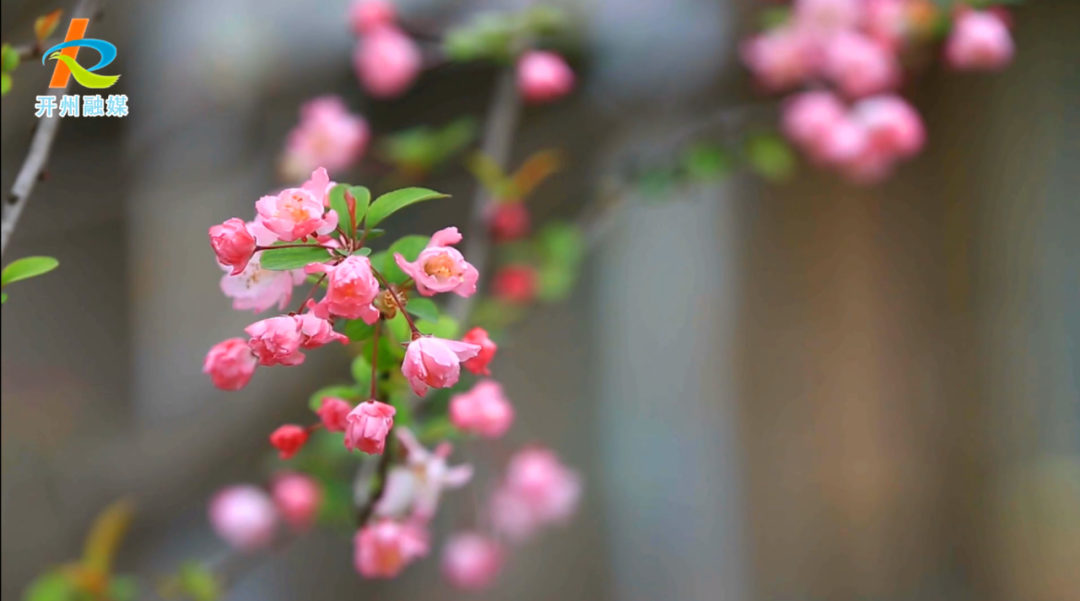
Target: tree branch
[38,157]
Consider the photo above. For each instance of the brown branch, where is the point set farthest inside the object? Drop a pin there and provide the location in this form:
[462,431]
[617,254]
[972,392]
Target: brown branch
[38,156]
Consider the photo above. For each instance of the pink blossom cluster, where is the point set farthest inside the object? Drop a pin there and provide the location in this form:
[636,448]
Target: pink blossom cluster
[248,518]
[327,135]
[850,51]
[386,59]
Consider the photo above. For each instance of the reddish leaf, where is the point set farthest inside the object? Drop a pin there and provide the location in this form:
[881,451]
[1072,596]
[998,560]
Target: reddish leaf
[45,25]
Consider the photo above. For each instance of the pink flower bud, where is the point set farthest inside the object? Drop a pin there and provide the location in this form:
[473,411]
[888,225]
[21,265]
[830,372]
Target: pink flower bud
[538,490]
[297,213]
[244,517]
[508,221]
[233,244]
[297,498]
[515,284]
[385,548]
[980,41]
[543,77]
[333,414]
[809,117]
[440,267]
[845,142]
[781,58]
[387,61]
[479,364]
[351,289]
[859,65]
[435,362]
[369,15]
[316,331]
[471,561]
[367,427]
[288,440]
[483,410]
[893,127]
[230,364]
[328,135]
[827,17]
[886,22]
[276,341]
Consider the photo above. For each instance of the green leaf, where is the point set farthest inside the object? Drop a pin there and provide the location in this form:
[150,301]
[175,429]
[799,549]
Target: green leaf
[424,308]
[123,588]
[401,401]
[706,163]
[363,199]
[339,206]
[656,182]
[399,328]
[361,372]
[437,430]
[199,583]
[358,331]
[336,503]
[26,268]
[378,261]
[5,84]
[53,586]
[554,283]
[561,244]
[9,59]
[774,17]
[409,247]
[348,393]
[375,233]
[392,202]
[3,298]
[446,327]
[362,252]
[284,259]
[770,157]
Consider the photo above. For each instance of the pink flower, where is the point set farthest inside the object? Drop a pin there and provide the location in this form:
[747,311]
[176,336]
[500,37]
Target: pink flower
[543,77]
[508,221]
[808,118]
[435,362]
[980,41]
[351,289]
[230,364]
[288,440]
[256,288]
[471,561]
[297,498]
[368,15]
[233,244]
[244,517]
[827,17]
[367,427]
[296,213]
[479,363]
[415,488]
[334,414]
[893,127]
[483,410]
[886,21]
[316,331]
[276,341]
[860,66]
[781,58]
[846,141]
[385,548]
[387,61]
[328,135]
[515,284]
[440,267]
[538,490]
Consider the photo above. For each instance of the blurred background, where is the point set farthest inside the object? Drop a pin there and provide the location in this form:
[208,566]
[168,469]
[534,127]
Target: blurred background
[806,392]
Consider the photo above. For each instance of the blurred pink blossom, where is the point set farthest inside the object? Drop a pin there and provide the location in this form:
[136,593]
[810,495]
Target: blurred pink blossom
[414,489]
[980,41]
[385,548]
[259,289]
[782,58]
[479,364]
[368,15]
[333,414]
[230,364]
[543,77]
[483,410]
[537,490]
[387,61]
[328,135]
[297,497]
[244,517]
[471,561]
[859,66]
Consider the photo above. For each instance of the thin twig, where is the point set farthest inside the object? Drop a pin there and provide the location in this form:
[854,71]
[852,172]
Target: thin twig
[40,149]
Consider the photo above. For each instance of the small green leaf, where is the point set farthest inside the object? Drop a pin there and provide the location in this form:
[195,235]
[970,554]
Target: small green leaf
[199,583]
[123,588]
[358,331]
[561,244]
[339,206]
[409,247]
[3,298]
[362,252]
[706,163]
[378,261]
[363,199]
[53,586]
[399,328]
[361,372]
[348,393]
[424,308]
[446,327]
[5,84]
[554,283]
[374,233]
[336,503]
[770,157]
[9,59]
[774,17]
[392,202]
[284,259]
[26,268]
